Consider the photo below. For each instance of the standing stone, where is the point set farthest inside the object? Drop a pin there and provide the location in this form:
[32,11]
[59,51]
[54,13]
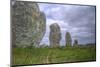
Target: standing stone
[28,23]
[55,35]
[68,39]
[75,43]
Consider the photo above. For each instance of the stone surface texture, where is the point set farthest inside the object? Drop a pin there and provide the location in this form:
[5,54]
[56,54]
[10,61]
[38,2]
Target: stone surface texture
[68,39]
[55,35]
[28,24]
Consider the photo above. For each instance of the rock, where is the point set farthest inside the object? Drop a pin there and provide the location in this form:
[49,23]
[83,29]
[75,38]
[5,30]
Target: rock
[55,35]
[28,23]
[68,39]
[75,43]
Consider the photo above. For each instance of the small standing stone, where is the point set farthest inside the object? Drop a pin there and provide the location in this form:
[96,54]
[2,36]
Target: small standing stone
[75,43]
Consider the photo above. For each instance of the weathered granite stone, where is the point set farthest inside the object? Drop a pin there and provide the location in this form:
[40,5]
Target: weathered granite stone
[55,35]
[75,43]
[28,23]
[68,39]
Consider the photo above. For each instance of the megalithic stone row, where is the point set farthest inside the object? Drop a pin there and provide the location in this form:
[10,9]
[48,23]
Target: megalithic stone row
[28,23]
[55,35]
[68,39]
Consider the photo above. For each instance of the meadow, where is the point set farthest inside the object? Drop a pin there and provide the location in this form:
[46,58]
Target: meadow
[24,56]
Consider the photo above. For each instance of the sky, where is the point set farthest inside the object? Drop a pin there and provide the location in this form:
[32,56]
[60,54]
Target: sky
[77,19]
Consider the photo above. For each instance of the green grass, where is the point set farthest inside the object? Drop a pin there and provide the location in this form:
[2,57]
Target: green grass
[23,56]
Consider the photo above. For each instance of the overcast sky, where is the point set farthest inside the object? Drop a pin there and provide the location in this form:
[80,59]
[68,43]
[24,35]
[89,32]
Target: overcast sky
[76,19]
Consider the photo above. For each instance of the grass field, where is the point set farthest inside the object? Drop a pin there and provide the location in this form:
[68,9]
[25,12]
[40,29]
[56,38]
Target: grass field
[23,56]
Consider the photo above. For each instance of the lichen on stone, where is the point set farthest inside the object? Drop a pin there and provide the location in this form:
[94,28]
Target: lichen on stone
[28,23]
[55,35]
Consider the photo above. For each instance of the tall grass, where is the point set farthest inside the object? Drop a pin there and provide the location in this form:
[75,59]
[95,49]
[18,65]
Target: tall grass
[23,56]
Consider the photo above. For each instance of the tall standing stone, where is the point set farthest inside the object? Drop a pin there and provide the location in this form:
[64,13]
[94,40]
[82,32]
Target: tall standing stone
[68,39]
[28,23]
[55,35]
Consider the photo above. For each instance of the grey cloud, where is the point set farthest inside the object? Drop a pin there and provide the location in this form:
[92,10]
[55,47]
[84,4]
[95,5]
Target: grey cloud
[79,20]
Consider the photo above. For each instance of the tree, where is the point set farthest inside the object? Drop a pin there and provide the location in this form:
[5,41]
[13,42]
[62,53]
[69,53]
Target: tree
[68,39]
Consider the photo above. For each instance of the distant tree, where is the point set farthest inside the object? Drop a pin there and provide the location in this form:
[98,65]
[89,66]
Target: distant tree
[75,42]
[68,39]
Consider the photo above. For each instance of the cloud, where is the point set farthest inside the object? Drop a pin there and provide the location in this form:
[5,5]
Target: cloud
[62,25]
[78,20]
